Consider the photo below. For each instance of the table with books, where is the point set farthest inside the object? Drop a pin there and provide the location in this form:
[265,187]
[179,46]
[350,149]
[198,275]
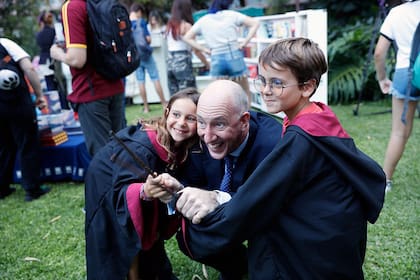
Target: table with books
[64,156]
[65,162]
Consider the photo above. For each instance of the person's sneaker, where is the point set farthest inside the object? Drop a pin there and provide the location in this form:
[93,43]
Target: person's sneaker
[7,192]
[388,186]
[29,196]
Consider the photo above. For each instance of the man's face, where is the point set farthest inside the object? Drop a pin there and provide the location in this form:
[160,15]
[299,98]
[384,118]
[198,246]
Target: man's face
[221,127]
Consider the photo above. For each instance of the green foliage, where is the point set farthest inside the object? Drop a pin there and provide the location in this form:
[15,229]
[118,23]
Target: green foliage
[352,27]
[18,22]
[344,83]
[350,65]
[277,7]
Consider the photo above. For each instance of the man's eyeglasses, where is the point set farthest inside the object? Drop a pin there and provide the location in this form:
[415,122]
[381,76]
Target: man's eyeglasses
[274,83]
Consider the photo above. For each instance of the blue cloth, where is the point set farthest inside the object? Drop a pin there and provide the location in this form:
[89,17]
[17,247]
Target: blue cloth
[65,162]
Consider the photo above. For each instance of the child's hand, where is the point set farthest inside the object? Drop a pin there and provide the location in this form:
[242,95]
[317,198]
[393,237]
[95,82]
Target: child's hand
[163,187]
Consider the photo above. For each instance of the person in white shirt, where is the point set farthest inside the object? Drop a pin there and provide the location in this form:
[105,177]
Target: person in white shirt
[219,29]
[398,27]
[18,121]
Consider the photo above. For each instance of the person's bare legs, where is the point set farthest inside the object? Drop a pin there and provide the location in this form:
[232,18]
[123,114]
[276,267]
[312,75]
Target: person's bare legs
[143,96]
[399,135]
[159,91]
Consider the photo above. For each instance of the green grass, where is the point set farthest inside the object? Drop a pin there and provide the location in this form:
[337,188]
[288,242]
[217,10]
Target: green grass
[51,229]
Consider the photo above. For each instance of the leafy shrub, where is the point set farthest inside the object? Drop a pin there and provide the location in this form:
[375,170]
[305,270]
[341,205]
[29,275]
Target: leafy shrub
[350,64]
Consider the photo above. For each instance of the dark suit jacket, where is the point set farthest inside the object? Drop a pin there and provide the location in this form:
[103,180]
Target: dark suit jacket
[202,171]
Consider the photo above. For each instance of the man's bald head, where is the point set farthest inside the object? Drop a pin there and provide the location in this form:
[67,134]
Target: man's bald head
[223,117]
[223,92]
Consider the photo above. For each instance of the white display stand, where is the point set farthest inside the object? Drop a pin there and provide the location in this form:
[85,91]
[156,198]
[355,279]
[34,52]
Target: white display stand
[311,24]
[159,54]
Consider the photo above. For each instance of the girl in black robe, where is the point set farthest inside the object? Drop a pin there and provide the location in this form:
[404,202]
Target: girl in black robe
[125,229]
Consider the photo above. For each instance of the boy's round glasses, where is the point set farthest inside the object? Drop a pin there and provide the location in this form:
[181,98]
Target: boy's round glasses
[274,83]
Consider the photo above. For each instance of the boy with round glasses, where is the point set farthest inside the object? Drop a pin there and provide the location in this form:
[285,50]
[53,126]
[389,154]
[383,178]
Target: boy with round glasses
[304,210]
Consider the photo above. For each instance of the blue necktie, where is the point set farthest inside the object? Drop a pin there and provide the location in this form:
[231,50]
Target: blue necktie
[227,178]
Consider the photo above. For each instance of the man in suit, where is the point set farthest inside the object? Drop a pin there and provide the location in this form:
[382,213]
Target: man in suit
[227,130]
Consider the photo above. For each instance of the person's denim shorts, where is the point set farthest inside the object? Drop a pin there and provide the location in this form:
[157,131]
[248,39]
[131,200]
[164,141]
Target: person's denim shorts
[229,64]
[148,65]
[400,83]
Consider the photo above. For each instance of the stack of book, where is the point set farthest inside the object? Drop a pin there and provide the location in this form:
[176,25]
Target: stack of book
[54,139]
[56,124]
[51,130]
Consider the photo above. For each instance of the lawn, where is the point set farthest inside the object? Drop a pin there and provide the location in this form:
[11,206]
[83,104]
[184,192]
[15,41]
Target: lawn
[44,239]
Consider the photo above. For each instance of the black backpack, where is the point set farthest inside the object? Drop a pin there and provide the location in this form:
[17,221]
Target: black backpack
[114,54]
[413,72]
[145,50]
[415,59]
[12,79]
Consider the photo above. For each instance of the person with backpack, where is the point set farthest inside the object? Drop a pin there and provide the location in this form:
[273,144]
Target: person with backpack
[98,100]
[398,28]
[143,39]
[18,122]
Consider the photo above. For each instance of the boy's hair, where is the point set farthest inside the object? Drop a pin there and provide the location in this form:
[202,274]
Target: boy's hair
[302,56]
[135,7]
[219,5]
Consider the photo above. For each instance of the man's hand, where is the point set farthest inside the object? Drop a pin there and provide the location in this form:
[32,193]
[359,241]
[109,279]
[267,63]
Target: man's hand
[57,52]
[195,204]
